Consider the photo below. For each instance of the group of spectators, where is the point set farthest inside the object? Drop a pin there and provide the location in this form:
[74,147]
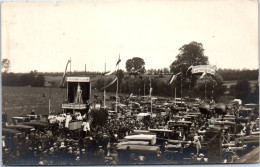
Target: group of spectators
[56,144]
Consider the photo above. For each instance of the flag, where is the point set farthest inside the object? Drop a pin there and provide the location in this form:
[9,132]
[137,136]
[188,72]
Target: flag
[119,60]
[140,69]
[64,75]
[107,73]
[110,83]
[151,89]
[173,77]
[189,69]
[130,96]
[204,68]
[203,75]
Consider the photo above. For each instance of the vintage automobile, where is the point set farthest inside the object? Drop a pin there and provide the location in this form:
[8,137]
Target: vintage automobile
[20,120]
[162,135]
[138,154]
[142,137]
[178,150]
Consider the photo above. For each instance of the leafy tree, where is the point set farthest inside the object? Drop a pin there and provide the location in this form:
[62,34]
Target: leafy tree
[39,81]
[242,90]
[120,75]
[6,65]
[190,54]
[129,65]
[192,85]
[9,79]
[135,64]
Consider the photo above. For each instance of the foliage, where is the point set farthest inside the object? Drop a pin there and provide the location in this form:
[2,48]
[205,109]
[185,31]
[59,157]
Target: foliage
[30,79]
[242,90]
[135,64]
[191,84]
[190,54]
[6,65]
[120,75]
[232,74]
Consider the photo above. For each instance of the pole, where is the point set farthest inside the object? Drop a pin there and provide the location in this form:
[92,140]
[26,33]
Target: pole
[70,66]
[105,89]
[144,89]
[205,90]
[212,92]
[175,96]
[190,85]
[50,101]
[85,70]
[181,88]
[117,89]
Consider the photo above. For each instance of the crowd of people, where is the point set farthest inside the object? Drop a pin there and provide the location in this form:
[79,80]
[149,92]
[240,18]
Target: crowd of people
[56,144]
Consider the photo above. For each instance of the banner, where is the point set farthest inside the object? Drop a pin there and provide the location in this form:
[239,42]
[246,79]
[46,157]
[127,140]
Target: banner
[204,69]
[108,73]
[173,77]
[119,60]
[110,83]
[64,74]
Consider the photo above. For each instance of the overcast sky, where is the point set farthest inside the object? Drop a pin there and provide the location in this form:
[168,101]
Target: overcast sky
[44,35]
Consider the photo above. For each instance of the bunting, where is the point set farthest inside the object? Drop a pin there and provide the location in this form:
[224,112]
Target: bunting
[173,77]
[110,83]
[202,76]
[64,75]
[119,60]
[107,73]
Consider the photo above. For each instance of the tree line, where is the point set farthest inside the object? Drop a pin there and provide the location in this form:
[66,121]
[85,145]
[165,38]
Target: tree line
[244,74]
[33,79]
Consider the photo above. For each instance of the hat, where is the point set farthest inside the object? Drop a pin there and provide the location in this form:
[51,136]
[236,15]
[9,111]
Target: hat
[41,163]
[201,155]
[83,150]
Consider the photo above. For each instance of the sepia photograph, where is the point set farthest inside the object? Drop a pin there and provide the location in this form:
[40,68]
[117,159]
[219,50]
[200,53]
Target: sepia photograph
[134,82]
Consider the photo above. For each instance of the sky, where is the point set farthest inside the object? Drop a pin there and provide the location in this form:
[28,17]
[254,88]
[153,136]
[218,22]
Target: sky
[43,36]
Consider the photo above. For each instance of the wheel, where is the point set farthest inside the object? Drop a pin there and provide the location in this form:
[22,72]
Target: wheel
[168,156]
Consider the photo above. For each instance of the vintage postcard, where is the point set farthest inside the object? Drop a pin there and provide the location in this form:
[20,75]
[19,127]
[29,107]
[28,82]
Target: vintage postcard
[135,82]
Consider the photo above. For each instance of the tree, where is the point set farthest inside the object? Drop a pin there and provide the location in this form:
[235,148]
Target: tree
[193,54]
[6,65]
[120,75]
[190,54]
[242,90]
[135,64]
[39,81]
[129,65]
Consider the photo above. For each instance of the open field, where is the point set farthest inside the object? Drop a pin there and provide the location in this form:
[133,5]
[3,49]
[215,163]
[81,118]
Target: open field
[23,100]
[17,101]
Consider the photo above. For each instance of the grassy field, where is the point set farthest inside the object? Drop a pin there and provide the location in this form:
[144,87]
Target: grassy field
[17,101]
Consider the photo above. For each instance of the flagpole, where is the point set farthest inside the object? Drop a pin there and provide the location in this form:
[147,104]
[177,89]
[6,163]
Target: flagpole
[105,89]
[190,85]
[181,88]
[144,89]
[151,96]
[85,70]
[205,91]
[212,92]
[50,101]
[70,66]
[175,96]
[117,85]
